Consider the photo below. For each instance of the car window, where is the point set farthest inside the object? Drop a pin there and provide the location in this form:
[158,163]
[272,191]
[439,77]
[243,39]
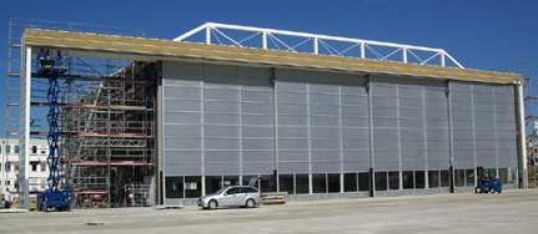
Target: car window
[232,191]
[249,190]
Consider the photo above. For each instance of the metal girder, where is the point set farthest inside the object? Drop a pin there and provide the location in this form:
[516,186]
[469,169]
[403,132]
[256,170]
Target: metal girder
[319,44]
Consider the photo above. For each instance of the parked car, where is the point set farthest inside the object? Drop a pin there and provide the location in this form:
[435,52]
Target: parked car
[233,196]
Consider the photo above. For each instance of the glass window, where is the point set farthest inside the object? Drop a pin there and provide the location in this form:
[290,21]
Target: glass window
[174,186]
[230,181]
[364,181]
[34,167]
[469,175]
[267,183]
[319,183]
[301,183]
[350,182]
[17,149]
[420,181]
[491,172]
[8,166]
[34,149]
[286,183]
[333,180]
[433,179]
[250,180]
[459,178]
[233,191]
[503,175]
[381,181]
[394,180]
[408,180]
[8,149]
[193,186]
[43,166]
[445,178]
[212,184]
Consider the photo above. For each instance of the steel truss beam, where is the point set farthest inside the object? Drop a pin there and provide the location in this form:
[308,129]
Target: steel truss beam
[274,39]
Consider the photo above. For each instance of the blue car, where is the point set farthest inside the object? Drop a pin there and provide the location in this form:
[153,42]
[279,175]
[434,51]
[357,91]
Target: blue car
[489,185]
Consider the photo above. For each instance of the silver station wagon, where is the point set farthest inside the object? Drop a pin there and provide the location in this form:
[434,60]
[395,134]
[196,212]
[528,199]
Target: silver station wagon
[233,196]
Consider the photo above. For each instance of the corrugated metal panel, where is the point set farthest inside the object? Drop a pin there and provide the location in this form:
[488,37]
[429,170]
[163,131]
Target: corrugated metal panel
[484,125]
[237,117]
[182,119]
[506,127]
[437,132]
[292,122]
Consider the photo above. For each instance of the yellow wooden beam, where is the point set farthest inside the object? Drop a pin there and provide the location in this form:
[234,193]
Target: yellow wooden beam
[122,45]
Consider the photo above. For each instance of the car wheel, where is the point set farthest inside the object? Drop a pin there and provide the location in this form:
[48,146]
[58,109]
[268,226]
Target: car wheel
[212,205]
[250,203]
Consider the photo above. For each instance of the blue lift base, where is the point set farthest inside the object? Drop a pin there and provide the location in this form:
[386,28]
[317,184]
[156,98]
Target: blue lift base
[54,200]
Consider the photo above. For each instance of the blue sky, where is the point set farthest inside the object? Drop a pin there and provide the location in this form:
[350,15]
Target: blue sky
[484,34]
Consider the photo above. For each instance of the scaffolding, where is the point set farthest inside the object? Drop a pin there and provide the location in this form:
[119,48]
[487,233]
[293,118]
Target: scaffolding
[104,117]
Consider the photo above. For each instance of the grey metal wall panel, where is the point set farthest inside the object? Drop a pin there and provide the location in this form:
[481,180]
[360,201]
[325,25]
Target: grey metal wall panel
[182,119]
[437,132]
[485,130]
[237,125]
[461,95]
[292,122]
[385,124]
[506,126]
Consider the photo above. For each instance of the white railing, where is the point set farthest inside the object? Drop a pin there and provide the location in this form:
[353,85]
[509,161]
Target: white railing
[301,42]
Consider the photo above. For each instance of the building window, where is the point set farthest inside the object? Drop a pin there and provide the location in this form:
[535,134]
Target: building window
[230,181]
[213,184]
[364,181]
[43,166]
[459,178]
[193,190]
[286,183]
[503,175]
[8,149]
[34,167]
[8,166]
[350,182]
[249,180]
[408,180]
[333,182]
[34,149]
[420,181]
[174,187]
[445,178]
[394,180]
[433,179]
[17,149]
[381,181]
[319,183]
[469,175]
[301,183]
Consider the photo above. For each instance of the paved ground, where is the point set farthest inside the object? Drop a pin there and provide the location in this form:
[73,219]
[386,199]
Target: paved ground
[511,212]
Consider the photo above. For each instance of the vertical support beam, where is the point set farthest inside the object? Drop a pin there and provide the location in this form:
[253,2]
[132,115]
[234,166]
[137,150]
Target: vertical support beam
[275,125]
[240,135]
[443,59]
[399,135]
[26,87]
[160,198]
[341,140]
[522,142]
[450,137]
[475,151]
[309,135]
[363,50]
[208,35]
[316,45]
[404,55]
[202,129]
[264,40]
[371,136]
[425,133]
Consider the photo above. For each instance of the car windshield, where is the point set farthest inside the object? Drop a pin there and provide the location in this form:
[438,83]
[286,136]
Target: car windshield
[221,190]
